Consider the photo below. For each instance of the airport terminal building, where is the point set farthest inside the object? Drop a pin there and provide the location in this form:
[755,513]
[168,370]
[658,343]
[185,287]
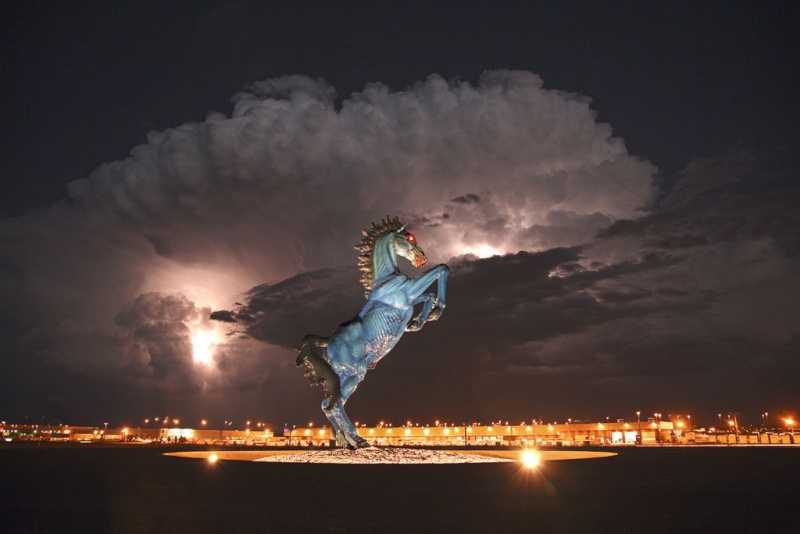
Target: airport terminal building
[569,434]
[564,434]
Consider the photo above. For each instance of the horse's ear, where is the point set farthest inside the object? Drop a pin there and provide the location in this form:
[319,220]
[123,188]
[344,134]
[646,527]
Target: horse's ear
[402,228]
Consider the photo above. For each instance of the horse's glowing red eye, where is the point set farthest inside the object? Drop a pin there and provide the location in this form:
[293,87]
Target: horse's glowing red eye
[411,238]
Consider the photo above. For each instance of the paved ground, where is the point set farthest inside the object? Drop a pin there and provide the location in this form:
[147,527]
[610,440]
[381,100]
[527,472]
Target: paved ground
[87,489]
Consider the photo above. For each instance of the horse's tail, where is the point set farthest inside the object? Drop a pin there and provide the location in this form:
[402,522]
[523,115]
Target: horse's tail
[316,368]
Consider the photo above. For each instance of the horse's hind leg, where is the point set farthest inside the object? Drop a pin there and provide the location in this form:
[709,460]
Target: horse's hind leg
[338,424]
[346,433]
[338,433]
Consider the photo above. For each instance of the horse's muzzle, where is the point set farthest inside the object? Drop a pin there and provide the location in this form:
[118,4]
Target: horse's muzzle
[419,258]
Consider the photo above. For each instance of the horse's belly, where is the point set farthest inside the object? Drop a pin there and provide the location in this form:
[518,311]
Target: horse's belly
[382,331]
[366,339]
[345,350]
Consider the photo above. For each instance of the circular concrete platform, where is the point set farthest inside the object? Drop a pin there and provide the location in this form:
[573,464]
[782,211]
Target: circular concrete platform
[388,455]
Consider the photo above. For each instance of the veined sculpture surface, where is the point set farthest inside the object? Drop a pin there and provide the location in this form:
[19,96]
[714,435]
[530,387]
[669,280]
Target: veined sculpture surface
[340,362]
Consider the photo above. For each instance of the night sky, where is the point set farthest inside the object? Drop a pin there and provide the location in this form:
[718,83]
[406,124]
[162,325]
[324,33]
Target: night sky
[613,184]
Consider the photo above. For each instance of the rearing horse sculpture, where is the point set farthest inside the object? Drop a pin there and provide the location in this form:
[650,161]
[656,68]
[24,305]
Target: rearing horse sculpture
[340,362]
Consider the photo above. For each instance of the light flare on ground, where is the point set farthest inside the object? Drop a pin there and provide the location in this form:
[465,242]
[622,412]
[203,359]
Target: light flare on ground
[531,459]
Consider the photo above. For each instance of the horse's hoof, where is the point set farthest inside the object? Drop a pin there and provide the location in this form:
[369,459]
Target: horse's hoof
[342,441]
[435,314]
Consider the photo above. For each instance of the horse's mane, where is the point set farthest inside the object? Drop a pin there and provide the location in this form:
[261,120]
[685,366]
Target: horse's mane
[367,249]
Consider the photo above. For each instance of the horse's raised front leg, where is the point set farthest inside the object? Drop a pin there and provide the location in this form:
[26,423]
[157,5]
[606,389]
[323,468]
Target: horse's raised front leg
[427,300]
[418,285]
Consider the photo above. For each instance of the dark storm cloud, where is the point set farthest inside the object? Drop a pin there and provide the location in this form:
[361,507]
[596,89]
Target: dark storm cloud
[542,315]
[467,199]
[715,266]
[502,304]
[481,288]
[718,200]
[283,313]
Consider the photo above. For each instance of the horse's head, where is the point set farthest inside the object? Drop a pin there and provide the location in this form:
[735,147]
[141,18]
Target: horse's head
[379,246]
[408,247]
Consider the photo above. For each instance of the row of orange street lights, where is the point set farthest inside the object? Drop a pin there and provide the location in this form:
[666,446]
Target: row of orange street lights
[657,417]
[163,422]
[731,420]
[166,421]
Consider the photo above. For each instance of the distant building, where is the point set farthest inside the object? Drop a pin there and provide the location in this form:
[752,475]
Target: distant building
[566,434]
[570,434]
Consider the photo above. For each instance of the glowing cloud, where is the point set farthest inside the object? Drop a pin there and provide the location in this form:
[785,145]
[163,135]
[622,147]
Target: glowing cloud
[483,251]
[203,345]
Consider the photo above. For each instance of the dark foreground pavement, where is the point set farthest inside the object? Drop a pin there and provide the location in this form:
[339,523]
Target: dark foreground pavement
[86,488]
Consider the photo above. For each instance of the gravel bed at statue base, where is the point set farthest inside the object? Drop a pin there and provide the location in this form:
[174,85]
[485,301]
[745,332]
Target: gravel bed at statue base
[383,455]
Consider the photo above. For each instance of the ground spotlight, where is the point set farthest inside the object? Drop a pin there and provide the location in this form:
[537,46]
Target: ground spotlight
[530,459]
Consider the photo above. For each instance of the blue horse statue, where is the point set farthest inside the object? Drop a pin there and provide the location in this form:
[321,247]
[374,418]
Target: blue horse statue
[339,363]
